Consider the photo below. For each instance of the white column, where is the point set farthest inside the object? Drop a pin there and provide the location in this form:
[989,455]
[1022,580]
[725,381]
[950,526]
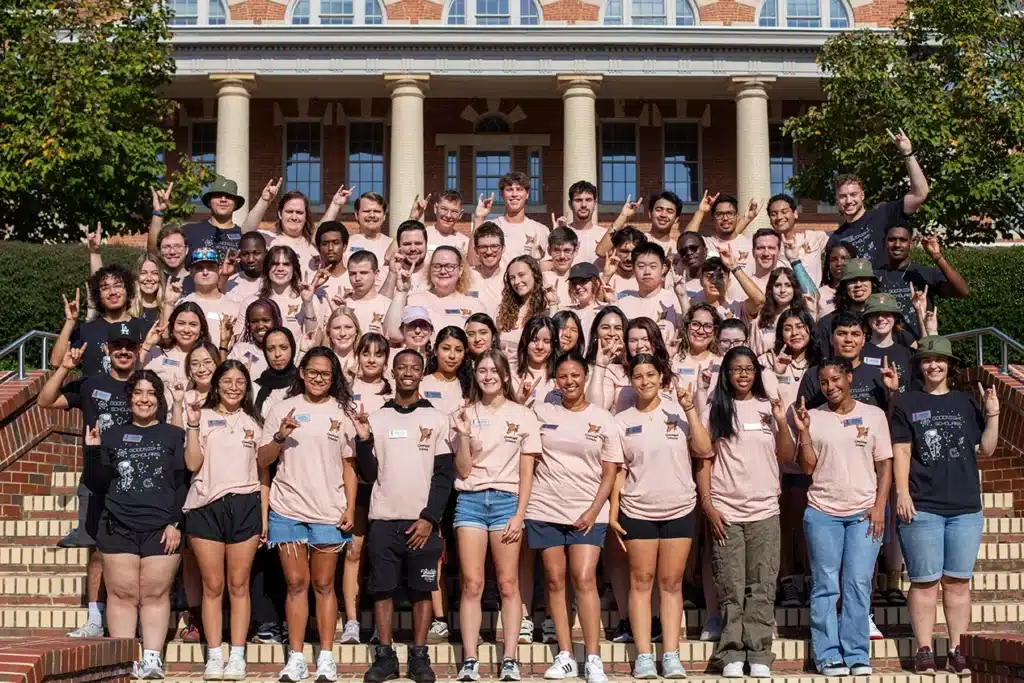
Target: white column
[233,132]
[579,107]
[406,153]
[753,170]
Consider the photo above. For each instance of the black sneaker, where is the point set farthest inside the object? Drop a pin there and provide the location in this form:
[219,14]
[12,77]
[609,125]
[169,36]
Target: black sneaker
[623,633]
[384,666]
[419,665]
[924,661]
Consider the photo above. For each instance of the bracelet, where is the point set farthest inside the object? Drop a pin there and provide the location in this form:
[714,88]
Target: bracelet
[907,156]
[158,214]
[992,414]
[223,348]
[192,428]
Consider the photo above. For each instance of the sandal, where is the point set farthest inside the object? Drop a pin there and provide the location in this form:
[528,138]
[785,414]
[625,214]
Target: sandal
[894,598]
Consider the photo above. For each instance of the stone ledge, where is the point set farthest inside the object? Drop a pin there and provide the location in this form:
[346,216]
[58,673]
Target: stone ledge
[57,659]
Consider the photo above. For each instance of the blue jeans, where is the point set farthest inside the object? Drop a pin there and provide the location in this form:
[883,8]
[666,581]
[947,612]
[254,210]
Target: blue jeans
[840,549]
[936,545]
[488,510]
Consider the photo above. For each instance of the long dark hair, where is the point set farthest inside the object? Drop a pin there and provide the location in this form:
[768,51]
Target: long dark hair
[660,364]
[268,263]
[508,309]
[826,273]
[531,329]
[339,389]
[186,307]
[658,350]
[307,228]
[561,319]
[812,354]
[464,372]
[207,346]
[372,339]
[158,387]
[501,364]
[592,337]
[771,307]
[275,316]
[722,418]
[213,396]
[488,321]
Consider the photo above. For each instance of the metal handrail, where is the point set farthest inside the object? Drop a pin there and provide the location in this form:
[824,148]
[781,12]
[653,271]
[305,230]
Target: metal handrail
[1006,343]
[19,346]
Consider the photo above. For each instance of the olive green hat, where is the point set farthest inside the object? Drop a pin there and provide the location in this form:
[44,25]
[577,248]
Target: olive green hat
[226,187]
[857,268]
[934,346]
[882,303]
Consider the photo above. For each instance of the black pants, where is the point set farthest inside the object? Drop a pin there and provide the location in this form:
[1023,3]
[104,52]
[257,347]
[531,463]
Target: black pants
[267,587]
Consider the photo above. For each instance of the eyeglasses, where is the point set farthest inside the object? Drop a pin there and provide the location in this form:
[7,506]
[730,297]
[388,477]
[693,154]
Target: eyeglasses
[725,344]
[202,364]
[489,248]
[692,248]
[119,287]
[173,248]
[707,327]
[743,370]
[725,214]
[444,267]
[450,213]
[324,375]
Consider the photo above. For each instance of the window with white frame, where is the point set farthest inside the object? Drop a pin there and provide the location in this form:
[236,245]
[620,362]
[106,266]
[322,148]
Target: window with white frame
[366,156]
[534,167]
[302,159]
[488,168]
[451,170]
[493,13]
[203,144]
[781,158]
[196,12]
[337,12]
[618,161]
[682,159]
[649,13]
[805,14]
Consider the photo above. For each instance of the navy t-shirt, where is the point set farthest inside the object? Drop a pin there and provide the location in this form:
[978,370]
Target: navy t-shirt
[102,400]
[867,233]
[897,281]
[824,334]
[943,432]
[206,234]
[898,355]
[95,332]
[866,387]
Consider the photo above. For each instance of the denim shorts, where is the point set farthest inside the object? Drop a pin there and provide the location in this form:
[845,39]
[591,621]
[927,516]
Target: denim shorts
[541,535]
[935,545]
[489,509]
[286,530]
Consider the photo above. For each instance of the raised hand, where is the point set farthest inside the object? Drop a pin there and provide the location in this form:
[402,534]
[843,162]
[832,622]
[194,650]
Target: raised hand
[341,197]
[483,207]
[361,421]
[193,411]
[782,361]
[611,264]
[989,399]
[227,329]
[812,303]
[288,425]
[778,409]
[462,425]
[559,222]
[316,281]
[403,276]
[271,189]
[753,208]
[631,208]
[931,321]
[72,308]
[684,394]
[73,356]
[706,201]
[550,295]
[92,435]
[419,208]
[890,376]
[725,253]
[161,198]
[155,335]
[525,390]
[901,141]
[229,265]
[705,376]
[93,240]
[790,248]
[802,417]
[930,243]
[178,392]
[173,293]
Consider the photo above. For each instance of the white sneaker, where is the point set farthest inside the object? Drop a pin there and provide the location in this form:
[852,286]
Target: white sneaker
[644,667]
[860,670]
[526,631]
[760,671]
[350,634]
[595,670]
[438,632]
[470,670]
[733,670]
[712,629]
[86,630]
[563,667]
[547,632]
[671,667]
[234,670]
[151,669]
[214,670]
[873,631]
[295,669]
[326,668]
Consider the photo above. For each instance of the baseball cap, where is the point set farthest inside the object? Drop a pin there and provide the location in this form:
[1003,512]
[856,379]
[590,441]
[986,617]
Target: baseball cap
[204,254]
[583,271]
[128,330]
[413,313]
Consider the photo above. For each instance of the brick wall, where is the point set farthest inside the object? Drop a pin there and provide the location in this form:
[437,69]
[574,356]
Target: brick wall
[995,658]
[60,660]
[1004,471]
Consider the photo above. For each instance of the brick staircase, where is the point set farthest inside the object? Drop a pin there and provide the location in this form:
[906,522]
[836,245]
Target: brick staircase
[42,587]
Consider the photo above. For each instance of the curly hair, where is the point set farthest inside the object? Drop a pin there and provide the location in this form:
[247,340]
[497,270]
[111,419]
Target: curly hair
[684,327]
[512,303]
[116,272]
[772,308]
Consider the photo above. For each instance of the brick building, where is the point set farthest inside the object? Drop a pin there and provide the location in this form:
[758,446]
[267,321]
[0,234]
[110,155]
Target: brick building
[412,96]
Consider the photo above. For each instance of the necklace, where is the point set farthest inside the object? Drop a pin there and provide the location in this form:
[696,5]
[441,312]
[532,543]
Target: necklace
[231,425]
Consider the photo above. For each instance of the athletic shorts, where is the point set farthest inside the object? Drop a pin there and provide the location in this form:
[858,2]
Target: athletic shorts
[115,538]
[541,535]
[643,529]
[488,510]
[391,559]
[234,518]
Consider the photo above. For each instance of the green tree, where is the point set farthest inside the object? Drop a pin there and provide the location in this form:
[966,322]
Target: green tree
[83,126]
[949,74]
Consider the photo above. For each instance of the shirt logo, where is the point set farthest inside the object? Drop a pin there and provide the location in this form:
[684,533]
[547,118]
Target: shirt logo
[425,434]
[862,435]
[248,437]
[124,329]
[334,430]
[743,256]
[512,432]
[530,240]
[293,310]
[766,420]
[377,318]
[593,432]
[465,312]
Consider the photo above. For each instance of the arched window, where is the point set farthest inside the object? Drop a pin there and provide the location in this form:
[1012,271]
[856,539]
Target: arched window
[492,123]
[493,13]
[805,14]
[196,12]
[337,12]
[649,13]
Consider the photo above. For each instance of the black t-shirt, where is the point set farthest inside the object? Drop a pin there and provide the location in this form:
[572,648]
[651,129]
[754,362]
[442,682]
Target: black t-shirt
[95,332]
[867,233]
[897,281]
[102,400]
[149,318]
[898,355]
[867,387]
[206,234]
[943,432]
[142,472]
[824,332]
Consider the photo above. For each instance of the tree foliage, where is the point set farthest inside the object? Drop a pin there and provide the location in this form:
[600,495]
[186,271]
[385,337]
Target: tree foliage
[950,74]
[83,124]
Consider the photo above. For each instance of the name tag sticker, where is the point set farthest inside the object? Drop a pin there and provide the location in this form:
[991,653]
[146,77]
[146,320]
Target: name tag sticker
[101,395]
[687,371]
[171,362]
[398,433]
[216,423]
[250,356]
[481,423]
[453,311]
[872,361]
[432,394]
[474,294]
[634,430]
[355,249]
[133,438]
[752,426]
[784,379]
[923,415]
[356,397]
[234,238]
[301,418]
[853,421]
[622,295]
[547,427]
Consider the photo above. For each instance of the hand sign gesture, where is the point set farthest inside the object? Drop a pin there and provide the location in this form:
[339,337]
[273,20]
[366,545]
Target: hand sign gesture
[227,329]
[778,409]
[288,425]
[890,376]
[361,421]
[931,321]
[706,202]
[791,249]
[72,308]
[782,361]
[559,222]
[631,208]
[154,335]
[230,264]
[483,207]
[930,243]
[753,208]
[902,142]
[161,198]
[705,376]
[172,293]
[684,394]
[801,417]
[73,356]
[92,435]
[989,399]
[271,189]
[462,426]
[525,390]
[93,240]
[725,253]
[193,411]
[178,391]
[550,295]
[316,281]
[419,208]
[341,197]
[611,264]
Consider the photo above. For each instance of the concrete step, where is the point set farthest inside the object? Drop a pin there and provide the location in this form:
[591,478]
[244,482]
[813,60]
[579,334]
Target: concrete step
[881,675]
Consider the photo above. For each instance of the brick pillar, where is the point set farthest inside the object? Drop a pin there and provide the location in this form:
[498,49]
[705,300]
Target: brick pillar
[406,154]
[579,159]
[233,131]
[753,169]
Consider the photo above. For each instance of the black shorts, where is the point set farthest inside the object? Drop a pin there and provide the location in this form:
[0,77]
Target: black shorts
[387,552]
[115,538]
[643,529]
[235,518]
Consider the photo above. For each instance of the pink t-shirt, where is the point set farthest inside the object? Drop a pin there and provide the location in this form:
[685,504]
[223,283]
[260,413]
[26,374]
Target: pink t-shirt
[561,286]
[745,473]
[762,339]
[659,474]
[586,316]
[615,380]
[379,246]
[308,486]
[447,310]
[521,239]
[228,443]
[661,306]
[667,244]
[250,355]
[370,312]
[589,238]
[215,310]
[335,286]
[487,290]
[622,286]
[741,246]
[445,396]
[169,366]
[826,300]
[848,446]
[568,473]
[405,445]
[369,394]
[497,438]
[435,239]
[811,244]
[544,389]
[688,369]
[239,287]
[508,342]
